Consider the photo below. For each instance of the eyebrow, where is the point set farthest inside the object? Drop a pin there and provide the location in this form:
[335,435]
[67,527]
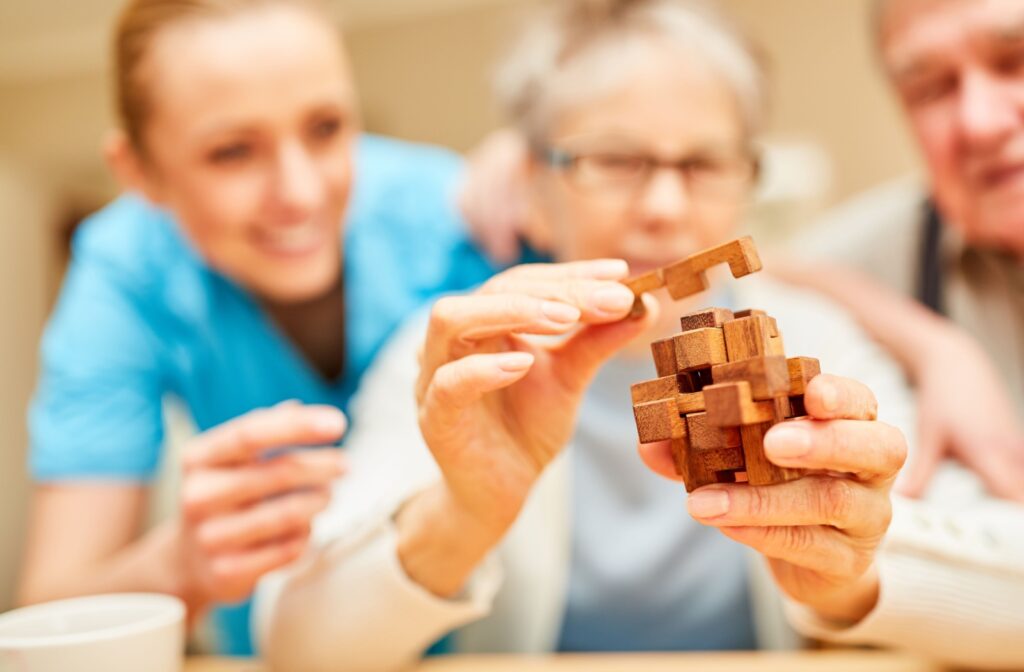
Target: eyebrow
[1008,31]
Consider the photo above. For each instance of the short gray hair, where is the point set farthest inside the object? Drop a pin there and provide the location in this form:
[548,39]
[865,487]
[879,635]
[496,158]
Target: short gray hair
[556,60]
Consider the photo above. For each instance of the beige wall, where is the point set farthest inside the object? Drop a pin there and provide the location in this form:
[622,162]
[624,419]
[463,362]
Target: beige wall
[422,77]
[24,259]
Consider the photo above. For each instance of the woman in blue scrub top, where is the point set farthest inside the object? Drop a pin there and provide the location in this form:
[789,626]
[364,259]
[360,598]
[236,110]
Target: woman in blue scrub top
[264,252]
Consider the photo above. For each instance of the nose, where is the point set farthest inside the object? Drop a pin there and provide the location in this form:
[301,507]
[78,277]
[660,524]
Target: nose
[665,201]
[299,186]
[988,110]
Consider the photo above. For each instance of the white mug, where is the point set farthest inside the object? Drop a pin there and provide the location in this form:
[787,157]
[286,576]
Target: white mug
[128,632]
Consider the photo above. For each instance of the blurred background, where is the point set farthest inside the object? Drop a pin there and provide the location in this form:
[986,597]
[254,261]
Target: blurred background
[422,67]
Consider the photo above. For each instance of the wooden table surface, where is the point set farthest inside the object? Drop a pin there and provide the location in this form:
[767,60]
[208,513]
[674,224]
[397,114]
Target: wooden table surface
[810,661]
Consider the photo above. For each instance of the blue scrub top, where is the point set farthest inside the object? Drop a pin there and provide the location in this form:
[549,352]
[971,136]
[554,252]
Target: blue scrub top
[141,316]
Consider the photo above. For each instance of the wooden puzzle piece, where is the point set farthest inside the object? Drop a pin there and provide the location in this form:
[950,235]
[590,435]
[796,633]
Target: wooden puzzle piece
[658,421]
[747,337]
[711,454]
[801,371]
[768,376]
[731,405]
[688,276]
[699,349]
[760,471]
[705,319]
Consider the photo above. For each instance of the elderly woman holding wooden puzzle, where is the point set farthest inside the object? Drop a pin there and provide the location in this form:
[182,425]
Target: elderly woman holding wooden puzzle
[506,502]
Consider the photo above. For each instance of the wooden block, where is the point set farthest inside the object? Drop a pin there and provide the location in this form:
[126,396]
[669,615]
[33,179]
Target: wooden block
[682,282]
[703,319]
[722,459]
[759,470]
[690,402]
[747,312]
[797,408]
[768,376]
[776,347]
[709,452]
[705,436]
[655,390]
[801,371]
[640,284]
[664,352]
[647,282]
[731,405]
[686,277]
[658,421]
[746,337]
[699,349]
[700,378]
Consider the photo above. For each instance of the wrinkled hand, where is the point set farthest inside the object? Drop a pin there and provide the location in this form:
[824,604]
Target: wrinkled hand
[496,405]
[968,417]
[820,532]
[244,513]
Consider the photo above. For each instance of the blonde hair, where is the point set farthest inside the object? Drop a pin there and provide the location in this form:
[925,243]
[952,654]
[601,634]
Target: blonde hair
[137,26]
[552,64]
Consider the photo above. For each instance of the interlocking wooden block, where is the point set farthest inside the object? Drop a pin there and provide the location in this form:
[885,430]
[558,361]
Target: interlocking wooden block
[664,352]
[704,319]
[699,349]
[687,276]
[705,436]
[768,376]
[760,471]
[658,421]
[747,337]
[731,405]
[801,371]
[723,382]
[653,390]
[710,454]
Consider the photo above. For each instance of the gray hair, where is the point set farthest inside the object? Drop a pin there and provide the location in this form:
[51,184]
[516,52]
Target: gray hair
[562,58]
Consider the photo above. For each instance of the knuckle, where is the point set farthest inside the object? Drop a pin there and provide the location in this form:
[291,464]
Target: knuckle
[797,538]
[758,503]
[442,315]
[838,500]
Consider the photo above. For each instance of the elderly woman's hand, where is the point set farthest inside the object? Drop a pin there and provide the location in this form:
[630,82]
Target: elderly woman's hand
[497,404]
[820,532]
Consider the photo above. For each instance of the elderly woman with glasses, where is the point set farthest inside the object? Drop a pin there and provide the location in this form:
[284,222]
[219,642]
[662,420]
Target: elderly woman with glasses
[507,501]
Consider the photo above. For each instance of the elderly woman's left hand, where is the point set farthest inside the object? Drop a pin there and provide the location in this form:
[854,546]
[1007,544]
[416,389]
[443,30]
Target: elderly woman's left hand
[820,532]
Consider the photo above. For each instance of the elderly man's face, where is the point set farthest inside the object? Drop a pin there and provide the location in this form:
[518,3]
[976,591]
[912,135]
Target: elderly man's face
[958,66]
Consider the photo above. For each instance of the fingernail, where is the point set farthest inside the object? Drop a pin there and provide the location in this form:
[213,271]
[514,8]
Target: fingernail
[609,269]
[514,362]
[787,442]
[830,398]
[615,299]
[330,422]
[562,313]
[708,503]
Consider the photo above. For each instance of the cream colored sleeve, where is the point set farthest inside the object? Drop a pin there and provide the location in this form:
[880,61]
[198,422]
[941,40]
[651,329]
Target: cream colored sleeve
[349,604]
[952,585]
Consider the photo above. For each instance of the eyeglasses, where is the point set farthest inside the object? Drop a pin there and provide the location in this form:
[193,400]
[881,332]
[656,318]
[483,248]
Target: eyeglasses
[712,177]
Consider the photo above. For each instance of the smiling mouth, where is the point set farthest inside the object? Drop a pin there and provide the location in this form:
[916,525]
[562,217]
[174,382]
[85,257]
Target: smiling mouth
[1002,176]
[293,241]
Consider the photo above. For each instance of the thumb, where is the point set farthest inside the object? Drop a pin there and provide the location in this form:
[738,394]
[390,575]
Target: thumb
[578,358]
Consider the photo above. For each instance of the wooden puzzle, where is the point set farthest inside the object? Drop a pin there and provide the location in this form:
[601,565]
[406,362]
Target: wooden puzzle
[722,382]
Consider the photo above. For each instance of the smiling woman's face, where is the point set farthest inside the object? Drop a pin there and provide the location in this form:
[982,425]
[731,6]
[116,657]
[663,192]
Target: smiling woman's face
[610,202]
[249,142]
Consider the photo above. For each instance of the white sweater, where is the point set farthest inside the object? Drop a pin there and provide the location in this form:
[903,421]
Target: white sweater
[952,569]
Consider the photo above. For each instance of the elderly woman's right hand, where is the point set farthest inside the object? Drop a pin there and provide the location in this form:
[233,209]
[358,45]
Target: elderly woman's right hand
[246,511]
[497,405]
